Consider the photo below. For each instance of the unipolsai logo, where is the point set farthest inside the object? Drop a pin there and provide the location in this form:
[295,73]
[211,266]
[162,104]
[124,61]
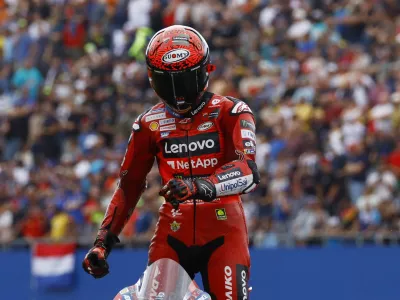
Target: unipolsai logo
[175,55]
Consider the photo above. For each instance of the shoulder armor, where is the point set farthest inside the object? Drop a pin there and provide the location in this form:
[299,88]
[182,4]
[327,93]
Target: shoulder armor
[239,107]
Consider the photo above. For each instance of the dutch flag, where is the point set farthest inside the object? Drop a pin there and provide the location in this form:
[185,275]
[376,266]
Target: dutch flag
[53,266]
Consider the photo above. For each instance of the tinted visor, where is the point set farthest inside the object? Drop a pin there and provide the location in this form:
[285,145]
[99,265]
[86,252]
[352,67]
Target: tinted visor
[180,90]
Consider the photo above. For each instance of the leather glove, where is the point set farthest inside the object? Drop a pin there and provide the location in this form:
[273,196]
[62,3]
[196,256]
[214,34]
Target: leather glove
[179,190]
[95,261]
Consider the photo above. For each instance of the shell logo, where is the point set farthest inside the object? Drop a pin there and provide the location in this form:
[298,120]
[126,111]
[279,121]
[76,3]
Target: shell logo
[175,55]
[153,126]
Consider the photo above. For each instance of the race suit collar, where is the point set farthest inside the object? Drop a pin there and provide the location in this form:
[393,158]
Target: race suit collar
[204,100]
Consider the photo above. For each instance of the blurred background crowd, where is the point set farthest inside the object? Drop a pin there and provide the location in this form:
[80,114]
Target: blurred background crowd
[322,76]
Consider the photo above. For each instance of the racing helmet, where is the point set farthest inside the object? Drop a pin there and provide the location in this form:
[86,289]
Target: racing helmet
[178,63]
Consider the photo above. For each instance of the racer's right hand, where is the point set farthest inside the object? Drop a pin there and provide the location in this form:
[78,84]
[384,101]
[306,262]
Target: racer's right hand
[95,262]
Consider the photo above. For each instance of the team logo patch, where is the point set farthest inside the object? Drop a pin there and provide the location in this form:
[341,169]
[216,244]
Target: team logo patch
[175,55]
[205,126]
[221,214]
[175,226]
[153,126]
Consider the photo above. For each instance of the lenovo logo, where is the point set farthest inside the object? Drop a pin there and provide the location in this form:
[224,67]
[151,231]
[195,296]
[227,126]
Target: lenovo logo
[197,145]
[231,174]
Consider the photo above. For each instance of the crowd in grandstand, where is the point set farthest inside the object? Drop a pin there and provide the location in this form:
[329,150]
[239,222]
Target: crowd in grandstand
[322,77]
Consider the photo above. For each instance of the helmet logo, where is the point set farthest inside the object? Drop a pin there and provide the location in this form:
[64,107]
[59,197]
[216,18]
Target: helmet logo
[175,56]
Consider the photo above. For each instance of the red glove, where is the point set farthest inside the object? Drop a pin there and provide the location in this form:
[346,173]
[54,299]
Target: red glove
[95,262]
[178,190]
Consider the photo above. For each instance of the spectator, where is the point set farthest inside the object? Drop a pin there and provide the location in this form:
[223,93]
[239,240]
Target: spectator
[321,78]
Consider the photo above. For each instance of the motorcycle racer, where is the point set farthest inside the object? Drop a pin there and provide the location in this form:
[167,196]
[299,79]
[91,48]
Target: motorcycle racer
[204,145]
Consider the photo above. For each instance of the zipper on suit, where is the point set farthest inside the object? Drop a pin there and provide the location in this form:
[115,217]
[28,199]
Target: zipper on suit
[191,177]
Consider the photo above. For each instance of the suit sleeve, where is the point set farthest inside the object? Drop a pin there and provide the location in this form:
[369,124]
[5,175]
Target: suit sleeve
[137,162]
[239,175]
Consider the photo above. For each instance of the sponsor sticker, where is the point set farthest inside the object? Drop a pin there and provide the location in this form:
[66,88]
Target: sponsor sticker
[153,126]
[214,114]
[198,108]
[241,281]
[233,186]
[205,126]
[175,226]
[230,174]
[249,144]
[124,290]
[226,167]
[167,121]
[175,55]
[228,282]
[248,134]
[247,125]
[135,126]
[195,163]
[181,38]
[215,101]
[175,212]
[185,121]
[196,145]
[250,151]
[221,214]
[168,128]
[240,107]
[164,134]
[157,110]
[155,117]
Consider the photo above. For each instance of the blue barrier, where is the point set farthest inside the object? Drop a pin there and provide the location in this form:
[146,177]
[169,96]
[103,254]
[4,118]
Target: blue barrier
[281,274]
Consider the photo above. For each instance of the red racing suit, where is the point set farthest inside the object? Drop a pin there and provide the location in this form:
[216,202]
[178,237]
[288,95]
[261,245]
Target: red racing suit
[217,142]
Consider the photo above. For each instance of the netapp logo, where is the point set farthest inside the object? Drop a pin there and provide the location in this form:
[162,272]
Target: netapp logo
[231,174]
[194,145]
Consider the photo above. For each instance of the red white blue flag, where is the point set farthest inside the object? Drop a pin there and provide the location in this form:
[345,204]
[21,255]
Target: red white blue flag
[53,266]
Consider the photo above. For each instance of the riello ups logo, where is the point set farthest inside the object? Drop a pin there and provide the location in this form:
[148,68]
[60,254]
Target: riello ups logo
[196,145]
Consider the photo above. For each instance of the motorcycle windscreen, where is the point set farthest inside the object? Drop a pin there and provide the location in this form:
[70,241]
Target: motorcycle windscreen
[165,279]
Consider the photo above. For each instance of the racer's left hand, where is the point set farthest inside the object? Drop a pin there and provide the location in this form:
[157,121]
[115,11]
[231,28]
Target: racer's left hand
[178,190]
